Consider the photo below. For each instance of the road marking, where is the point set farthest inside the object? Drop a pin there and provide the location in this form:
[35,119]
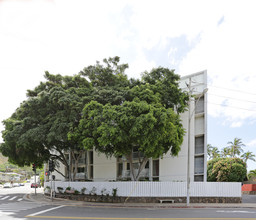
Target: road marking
[13,198]
[224,211]
[47,210]
[4,197]
[19,199]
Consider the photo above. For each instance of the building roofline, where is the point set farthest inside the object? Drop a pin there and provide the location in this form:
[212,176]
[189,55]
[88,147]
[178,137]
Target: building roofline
[193,74]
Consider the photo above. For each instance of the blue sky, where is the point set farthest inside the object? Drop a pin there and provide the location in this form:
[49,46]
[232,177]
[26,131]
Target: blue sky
[64,36]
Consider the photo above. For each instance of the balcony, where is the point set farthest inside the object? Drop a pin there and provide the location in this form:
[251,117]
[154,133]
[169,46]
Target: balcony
[127,173]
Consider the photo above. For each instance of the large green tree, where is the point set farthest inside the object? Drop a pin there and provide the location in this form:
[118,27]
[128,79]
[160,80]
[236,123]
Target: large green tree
[37,130]
[146,119]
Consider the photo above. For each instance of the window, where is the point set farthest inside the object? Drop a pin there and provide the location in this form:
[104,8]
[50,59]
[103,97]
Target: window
[128,166]
[155,168]
[90,157]
[90,165]
[119,169]
[199,105]
[91,172]
[199,178]
[199,165]
[80,169]
[199,145]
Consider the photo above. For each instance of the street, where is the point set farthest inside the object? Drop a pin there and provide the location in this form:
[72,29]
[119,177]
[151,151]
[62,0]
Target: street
[14,205]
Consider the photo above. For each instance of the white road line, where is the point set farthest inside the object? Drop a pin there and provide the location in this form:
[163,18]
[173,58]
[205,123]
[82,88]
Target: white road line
[4,197]
[13,198]
[47,210]
[19,199]
[235,211]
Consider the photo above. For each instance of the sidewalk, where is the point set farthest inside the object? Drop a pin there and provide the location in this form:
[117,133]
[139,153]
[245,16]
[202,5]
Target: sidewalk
[40,198]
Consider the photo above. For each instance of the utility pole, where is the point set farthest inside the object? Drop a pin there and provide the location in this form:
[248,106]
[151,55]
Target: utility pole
[190,114]
[188,165]
[34,169]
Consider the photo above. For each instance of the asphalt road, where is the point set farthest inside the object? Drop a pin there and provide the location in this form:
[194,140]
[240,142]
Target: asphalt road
[64,212]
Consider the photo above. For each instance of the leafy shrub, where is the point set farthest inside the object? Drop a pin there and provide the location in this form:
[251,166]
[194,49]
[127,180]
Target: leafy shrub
[60,189]
[83,190]
[226,170]
[114,192]
[93,191]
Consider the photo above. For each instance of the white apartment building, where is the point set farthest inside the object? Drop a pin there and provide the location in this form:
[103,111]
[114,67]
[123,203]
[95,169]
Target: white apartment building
[97,167]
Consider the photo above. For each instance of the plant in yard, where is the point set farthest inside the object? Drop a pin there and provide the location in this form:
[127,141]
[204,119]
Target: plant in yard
[76,192]
[93,191]
[114,192]
[103,191]
[67,189]
[83,190]
[47,189]
[226,170]
[60,189]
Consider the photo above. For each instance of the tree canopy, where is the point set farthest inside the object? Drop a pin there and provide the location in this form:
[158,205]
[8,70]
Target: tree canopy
[98,107]
[120,129]
[39,127]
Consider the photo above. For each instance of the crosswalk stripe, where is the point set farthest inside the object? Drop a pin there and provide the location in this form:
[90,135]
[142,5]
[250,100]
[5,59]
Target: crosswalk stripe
[4,197]
[19,199]
[13,198]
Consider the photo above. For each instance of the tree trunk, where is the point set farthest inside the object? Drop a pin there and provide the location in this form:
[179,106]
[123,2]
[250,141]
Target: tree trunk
[76,159]
[141,167]
[135,177]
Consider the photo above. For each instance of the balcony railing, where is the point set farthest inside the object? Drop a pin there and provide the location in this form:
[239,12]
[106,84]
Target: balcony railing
[143,173]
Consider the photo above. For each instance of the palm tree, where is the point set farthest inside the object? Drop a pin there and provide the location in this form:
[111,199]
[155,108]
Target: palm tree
[251,174]
[235,147]
[225,152]
[248,156]
[213,152]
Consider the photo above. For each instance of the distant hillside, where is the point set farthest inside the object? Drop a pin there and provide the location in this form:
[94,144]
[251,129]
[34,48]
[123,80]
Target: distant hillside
[3,159]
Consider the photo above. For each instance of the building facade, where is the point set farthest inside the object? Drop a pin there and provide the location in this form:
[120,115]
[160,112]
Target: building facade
[97,167]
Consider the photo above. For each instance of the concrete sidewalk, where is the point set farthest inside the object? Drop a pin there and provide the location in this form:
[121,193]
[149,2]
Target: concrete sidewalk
[40,198]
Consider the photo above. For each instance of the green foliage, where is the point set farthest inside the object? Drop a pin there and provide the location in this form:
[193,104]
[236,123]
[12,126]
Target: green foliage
[142,118]
[98,107]
[60,189]
[83,190]
[248,156]
[76,192]
[252,174]
[226,170]
[68,188]
[212,152]
[114,192]
[235,147]
[41,123]
[42,178]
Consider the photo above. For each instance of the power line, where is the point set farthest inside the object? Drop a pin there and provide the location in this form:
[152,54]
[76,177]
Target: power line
[222,105]
[232,98]
[235,90]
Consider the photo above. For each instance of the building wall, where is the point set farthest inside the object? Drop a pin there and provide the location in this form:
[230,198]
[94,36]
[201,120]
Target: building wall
[104,169]
[175,168]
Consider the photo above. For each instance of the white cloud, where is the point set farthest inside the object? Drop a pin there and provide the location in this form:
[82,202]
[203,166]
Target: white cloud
[64,36]
[227,52]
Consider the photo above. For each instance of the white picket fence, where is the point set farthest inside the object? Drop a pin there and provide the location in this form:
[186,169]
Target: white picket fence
[156,189]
